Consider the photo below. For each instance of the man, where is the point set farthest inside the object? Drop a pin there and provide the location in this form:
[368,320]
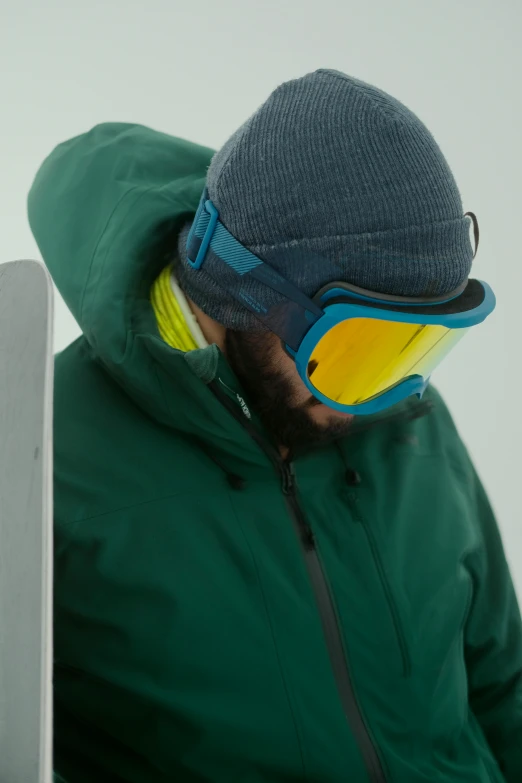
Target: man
[253,585]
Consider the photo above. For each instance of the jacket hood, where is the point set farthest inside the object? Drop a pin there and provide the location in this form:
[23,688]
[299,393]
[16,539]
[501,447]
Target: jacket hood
[104,209]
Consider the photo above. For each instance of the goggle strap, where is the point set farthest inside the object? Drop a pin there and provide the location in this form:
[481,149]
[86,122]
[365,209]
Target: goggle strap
[475,230]
[210,240]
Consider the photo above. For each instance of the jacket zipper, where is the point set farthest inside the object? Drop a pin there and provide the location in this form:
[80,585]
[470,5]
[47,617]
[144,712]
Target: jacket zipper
[323,596]
[331,629]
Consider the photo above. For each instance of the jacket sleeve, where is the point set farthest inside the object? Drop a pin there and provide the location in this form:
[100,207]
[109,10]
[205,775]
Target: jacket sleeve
[493,642]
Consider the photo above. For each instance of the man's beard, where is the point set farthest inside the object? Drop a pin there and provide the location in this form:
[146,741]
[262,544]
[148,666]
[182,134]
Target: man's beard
[271,395]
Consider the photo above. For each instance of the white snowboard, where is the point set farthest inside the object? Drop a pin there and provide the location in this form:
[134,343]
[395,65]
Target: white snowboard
[26,384]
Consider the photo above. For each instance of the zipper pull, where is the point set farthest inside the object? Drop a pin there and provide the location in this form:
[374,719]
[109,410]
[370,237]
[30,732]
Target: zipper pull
[239,399]
[288,478]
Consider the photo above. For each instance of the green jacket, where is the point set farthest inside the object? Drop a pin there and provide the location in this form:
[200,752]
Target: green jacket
[220,615]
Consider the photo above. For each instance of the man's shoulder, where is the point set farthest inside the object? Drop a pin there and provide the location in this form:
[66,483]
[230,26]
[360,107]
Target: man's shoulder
[426,426]
[109,454]
[439,432]
[86,397]
[76,375]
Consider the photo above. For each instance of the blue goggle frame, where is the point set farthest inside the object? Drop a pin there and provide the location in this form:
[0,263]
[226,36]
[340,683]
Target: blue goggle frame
[301,322]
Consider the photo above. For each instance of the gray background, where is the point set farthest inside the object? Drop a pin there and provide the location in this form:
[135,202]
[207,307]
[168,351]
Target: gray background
[198,69]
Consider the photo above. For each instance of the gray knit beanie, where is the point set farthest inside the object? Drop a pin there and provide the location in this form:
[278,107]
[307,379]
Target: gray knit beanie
[333,179]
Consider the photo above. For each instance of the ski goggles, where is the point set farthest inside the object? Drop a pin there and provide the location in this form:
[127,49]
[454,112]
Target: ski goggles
[357,351]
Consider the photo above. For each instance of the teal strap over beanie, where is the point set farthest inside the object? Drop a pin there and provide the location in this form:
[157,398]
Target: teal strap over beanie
[334,179]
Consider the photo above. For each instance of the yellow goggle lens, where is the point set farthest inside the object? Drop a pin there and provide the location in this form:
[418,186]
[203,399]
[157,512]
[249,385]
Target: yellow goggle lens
[361,358]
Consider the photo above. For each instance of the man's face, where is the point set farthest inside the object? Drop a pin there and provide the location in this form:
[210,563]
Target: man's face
[293,417]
